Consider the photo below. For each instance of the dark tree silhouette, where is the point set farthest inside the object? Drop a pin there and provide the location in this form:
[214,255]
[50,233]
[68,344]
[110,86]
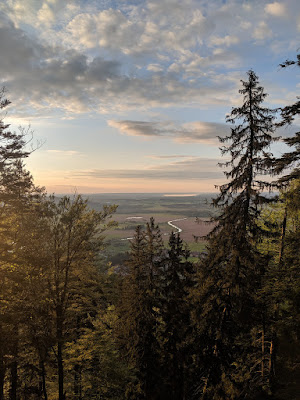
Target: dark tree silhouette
[231,273]
[289,159]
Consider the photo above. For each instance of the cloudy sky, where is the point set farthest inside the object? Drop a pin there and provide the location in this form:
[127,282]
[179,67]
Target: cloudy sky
[129,95]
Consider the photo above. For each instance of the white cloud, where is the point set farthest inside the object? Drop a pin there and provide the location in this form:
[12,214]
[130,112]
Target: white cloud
[245,25]
[39,13]
[46,15]
[115,56]
[155,68]
[109,29]
[276,9]
[153,27]
[262,31]
[64,153]
[224,41]
[47,79]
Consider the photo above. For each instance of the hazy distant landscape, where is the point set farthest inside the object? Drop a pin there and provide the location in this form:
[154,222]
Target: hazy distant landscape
[191,212]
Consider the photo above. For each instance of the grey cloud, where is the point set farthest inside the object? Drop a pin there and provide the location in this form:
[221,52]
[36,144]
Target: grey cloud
[17,49]
[192,132]
[288,131]
[171,38]
[48,75]
[192,170]
[205,132]
[100,69]
[43,77]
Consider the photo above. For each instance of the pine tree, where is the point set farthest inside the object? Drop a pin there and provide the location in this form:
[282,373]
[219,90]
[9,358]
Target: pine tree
[12,144]
[140,311]
[177,280]
[282,287]
[289,159]
[231,273]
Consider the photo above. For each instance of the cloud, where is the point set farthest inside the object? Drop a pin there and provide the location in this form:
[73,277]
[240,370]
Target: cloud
[224,41]
[39,14]
[109,28]
[152,27]
[262,31]
[100,57]
[191,170]
[276,9]
[198,131]
[46,79]
[67,153]
[172,156]
[155,68]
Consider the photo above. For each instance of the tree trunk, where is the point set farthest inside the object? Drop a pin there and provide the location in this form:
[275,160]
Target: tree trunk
[77,382]
[2,374]
[42,385]
[14,369]
[2,365]
[77,369]
[282,238]
[60,365]
[263,352]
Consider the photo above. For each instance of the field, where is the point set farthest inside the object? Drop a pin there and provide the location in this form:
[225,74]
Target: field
[189,214]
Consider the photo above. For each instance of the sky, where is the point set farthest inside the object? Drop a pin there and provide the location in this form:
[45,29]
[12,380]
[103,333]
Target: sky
[130,95]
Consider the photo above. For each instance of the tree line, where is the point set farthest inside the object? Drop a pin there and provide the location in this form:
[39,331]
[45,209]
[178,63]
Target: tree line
[160,327]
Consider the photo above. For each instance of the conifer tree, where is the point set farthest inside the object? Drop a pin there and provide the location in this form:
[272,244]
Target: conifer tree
[282,287]
[12,144]
[177,279]
[231,273]
[289,159]
[139,311]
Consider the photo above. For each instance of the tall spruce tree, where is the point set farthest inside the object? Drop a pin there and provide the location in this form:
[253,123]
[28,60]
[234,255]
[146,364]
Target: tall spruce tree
[231,273]
[177,279]
[283,285]
[289,159]
[140,311]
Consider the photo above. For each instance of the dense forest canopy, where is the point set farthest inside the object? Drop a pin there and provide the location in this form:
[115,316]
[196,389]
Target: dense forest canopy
[161,326]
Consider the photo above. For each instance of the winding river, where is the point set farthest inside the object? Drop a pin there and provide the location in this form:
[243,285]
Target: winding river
[174,226]
[169,223]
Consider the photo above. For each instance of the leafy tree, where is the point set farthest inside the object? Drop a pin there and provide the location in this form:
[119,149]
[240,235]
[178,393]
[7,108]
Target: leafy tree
[103,373]
[75,239]
[17,193]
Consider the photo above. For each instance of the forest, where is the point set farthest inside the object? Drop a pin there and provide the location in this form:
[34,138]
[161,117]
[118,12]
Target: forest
[225,327]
